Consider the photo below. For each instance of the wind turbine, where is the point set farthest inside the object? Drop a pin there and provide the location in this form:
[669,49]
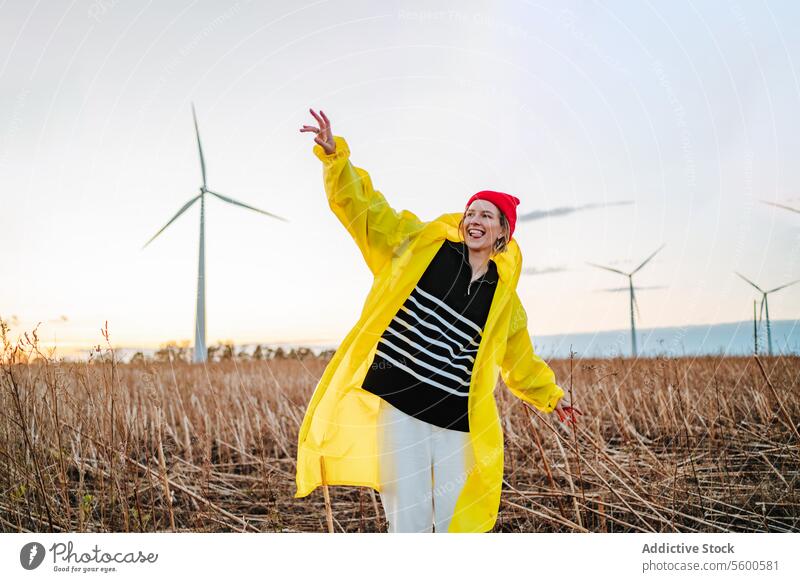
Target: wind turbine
[200,353]
[630,289]
[765,306]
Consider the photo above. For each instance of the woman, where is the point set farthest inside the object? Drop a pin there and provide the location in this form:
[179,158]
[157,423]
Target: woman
[406,405]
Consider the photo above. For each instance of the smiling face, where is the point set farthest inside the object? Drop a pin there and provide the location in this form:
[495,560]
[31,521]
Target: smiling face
[483,225]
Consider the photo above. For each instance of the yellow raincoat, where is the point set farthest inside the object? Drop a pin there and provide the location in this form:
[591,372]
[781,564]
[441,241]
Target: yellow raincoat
[340,425]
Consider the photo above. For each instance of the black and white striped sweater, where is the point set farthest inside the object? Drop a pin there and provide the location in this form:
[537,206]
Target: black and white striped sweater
[424,359]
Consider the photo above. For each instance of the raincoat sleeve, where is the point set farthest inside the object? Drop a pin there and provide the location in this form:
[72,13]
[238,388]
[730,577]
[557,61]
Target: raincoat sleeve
[527,376]
[377,228]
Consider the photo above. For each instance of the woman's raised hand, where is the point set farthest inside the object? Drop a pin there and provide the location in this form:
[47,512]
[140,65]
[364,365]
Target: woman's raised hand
[324,135]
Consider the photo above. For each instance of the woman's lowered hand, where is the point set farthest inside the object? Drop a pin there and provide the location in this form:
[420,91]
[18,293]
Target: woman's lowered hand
[566,413]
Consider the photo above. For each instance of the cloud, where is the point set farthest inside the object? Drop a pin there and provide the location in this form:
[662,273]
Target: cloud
[564,210]
[543,271]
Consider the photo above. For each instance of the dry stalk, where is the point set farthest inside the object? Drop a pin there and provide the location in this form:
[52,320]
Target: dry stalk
[328,510]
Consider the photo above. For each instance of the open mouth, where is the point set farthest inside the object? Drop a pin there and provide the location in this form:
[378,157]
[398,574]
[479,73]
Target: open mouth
[476,233]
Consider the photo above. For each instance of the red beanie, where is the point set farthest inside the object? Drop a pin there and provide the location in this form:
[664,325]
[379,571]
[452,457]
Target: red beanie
[505,202]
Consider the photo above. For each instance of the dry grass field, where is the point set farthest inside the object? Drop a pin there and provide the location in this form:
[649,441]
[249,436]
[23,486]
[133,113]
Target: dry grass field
[705,444]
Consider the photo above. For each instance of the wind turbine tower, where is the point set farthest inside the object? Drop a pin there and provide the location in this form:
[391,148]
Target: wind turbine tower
[200,352]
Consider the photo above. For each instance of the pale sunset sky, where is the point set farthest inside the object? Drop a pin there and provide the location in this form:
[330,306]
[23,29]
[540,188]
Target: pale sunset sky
[621,126]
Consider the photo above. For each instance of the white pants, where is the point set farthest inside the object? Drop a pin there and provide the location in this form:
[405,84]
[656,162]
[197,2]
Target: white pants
[422,468]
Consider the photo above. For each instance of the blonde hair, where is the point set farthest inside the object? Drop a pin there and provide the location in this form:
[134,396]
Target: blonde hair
[501,244]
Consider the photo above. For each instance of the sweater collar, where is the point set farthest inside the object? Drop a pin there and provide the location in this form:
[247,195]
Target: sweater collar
[490,276]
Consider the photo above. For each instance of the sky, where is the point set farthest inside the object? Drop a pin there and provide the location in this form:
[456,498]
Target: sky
[621,126]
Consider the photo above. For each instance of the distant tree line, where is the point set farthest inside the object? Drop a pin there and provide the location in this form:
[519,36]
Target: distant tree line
[224,351]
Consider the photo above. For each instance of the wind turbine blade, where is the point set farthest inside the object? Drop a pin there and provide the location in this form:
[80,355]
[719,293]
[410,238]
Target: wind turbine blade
[199,147]
[608,269]
[181,211]
[782,286]
[647,259]
[243,205]
[781,206]
[614,289]
[761,310]
[749,281]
